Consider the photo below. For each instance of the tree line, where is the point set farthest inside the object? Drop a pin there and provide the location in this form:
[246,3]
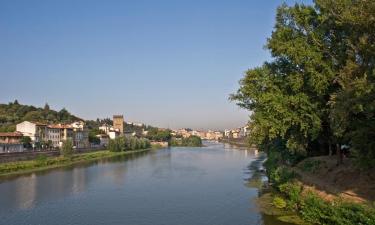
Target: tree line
[14,112]
[317,94]
[128,143]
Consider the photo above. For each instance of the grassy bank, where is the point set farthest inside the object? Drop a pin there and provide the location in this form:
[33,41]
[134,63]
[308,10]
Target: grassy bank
[288,193]
[45,163]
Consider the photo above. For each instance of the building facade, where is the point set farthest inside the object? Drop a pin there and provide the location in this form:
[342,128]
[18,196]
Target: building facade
[55,134]
[118,123]
[36,131]
[11,142]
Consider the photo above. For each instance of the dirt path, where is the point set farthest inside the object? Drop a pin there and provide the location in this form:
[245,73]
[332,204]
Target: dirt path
[331,181]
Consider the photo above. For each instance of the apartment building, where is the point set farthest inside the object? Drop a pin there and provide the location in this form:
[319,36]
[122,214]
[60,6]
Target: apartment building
[11,142]
[55,133]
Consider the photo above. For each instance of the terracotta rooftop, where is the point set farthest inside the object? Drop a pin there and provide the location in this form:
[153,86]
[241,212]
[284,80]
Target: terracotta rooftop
[60,126]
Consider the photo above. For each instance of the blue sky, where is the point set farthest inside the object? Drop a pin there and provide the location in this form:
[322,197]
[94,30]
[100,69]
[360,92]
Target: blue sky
[166,63]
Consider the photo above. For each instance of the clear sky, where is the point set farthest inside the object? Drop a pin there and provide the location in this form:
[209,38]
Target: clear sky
[169,63]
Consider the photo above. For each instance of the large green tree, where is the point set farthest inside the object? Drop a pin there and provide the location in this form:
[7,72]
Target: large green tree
[323,55]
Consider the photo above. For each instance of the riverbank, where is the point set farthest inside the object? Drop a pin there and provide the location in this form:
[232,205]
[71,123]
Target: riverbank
[240,142]
[45,163]
[335,199]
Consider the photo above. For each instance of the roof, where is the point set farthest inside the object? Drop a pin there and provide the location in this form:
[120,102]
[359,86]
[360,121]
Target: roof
[11,134]
[60,126]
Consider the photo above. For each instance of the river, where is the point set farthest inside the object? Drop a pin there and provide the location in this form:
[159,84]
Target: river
[176,186]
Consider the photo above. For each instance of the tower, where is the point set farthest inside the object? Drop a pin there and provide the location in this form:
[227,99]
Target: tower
[118,123]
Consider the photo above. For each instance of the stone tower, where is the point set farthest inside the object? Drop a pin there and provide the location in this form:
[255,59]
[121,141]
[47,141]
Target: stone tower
[118,123]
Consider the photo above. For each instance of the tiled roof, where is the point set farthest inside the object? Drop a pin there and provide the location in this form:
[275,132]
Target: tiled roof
[60,126]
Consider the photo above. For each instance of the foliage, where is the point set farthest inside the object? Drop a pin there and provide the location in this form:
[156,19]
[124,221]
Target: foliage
[318,211]
[319,90]
[92,135]
[13,113]
[67,148]
[156,134]
[292,191]
[279,203]
[128,143]
[281,175]
[26,141]
[192,141]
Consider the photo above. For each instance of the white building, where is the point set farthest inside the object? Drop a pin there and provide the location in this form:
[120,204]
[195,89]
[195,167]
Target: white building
[55,134]
[113,134]
[36,131]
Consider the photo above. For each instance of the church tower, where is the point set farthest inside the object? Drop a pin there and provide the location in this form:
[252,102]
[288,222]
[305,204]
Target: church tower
[118,123]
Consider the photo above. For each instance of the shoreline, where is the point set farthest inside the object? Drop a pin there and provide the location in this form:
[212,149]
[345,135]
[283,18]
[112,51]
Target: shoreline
[50,163]
[236,142]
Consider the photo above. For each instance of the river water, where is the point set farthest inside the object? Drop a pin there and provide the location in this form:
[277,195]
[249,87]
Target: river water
[212,185]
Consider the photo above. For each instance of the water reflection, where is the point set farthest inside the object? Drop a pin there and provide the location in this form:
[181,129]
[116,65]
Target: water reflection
[26,191]
[200,186]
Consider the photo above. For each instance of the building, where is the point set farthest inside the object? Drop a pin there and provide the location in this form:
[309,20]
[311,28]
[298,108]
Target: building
[104,139]
[55,134]
[118,123]
[113,134]
[11,142]
[228,134]
[244,131]
[80,135]
[185,133]
[36,131]
[106,128]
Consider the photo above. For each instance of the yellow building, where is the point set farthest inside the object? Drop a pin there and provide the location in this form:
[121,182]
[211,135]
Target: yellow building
[118,123]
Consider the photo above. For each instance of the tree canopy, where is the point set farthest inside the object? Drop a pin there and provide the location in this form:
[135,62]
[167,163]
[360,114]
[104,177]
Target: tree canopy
[13,113]
[318,91]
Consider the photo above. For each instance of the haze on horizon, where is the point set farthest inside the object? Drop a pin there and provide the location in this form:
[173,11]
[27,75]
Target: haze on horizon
[164,63]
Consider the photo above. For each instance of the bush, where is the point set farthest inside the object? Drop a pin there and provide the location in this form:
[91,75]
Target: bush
[279,203]
[293,192]
[281,175]
[317,211]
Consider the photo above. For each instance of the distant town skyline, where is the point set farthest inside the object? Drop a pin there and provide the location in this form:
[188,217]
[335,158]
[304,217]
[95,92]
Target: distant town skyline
[163,63]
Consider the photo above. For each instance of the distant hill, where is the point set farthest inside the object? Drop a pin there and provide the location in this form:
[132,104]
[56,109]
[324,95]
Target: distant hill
[13,113]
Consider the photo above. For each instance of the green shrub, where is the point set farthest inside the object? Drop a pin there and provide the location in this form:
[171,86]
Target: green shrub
[315,210]
[293,192]
[279,203]
[281,175]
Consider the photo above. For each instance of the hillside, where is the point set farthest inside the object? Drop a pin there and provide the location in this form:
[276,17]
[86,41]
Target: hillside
[13,113]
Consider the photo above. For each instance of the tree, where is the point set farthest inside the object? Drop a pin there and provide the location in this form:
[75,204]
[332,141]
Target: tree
[67,148]
[26,141]
[318,91]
